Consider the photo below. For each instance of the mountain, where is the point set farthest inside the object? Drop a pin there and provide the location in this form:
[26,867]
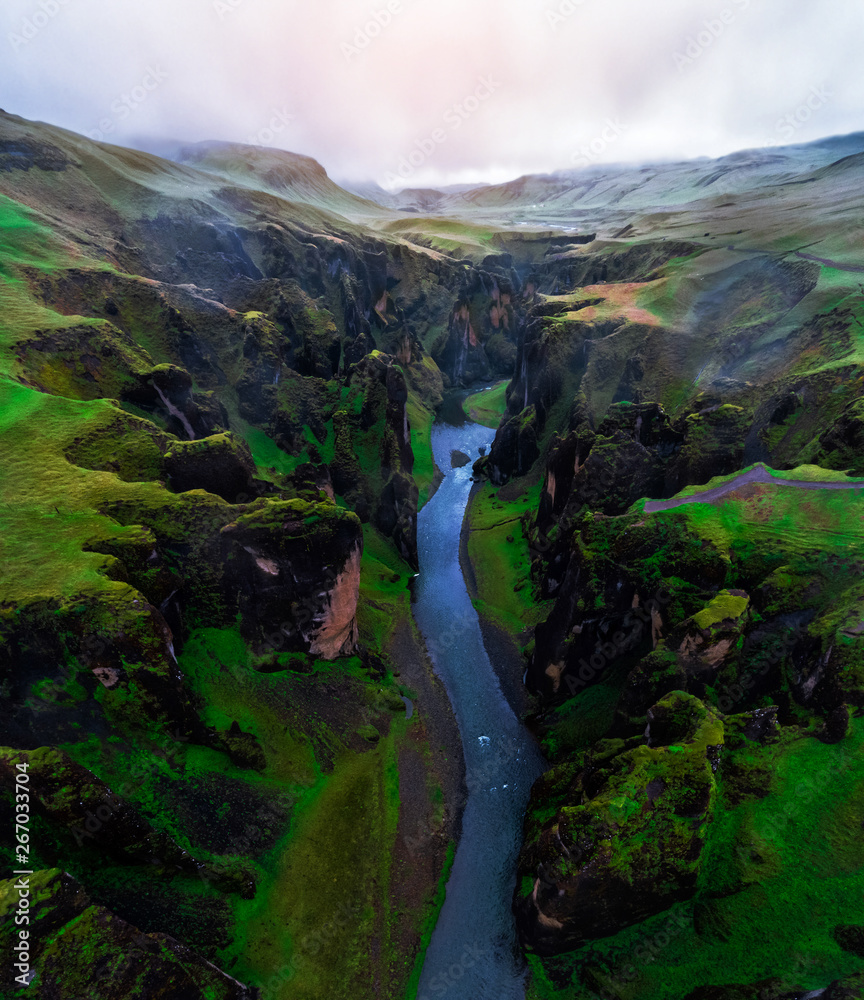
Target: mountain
[288,175]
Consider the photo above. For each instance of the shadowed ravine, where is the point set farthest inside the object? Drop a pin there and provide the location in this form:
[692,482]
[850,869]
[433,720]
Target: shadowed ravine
[473,951]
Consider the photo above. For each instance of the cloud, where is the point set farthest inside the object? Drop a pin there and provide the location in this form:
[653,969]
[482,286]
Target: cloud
[362,85]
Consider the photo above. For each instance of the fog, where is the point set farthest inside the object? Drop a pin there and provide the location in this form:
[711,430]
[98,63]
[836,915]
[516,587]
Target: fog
[420,92]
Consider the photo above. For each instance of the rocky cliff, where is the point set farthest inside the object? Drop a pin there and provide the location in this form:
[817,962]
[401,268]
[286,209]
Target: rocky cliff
[217,380]
[694,662]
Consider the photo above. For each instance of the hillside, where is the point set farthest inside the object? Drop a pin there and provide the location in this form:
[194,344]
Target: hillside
[216,395]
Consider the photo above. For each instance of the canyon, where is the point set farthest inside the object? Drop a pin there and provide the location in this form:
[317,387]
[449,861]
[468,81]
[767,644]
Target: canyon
[236,397]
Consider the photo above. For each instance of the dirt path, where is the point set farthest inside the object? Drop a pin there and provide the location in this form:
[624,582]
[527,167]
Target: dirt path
[855,268]
[758,474]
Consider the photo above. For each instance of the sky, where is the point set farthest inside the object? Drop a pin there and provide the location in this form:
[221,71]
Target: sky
[414,93]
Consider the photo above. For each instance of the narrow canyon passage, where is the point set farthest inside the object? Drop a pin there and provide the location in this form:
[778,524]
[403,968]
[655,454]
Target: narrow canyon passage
[473,951]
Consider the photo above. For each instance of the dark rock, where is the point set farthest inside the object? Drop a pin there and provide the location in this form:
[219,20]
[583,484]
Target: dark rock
[287,598]
[79,949]
[850,938]
[842,446]
[515,447]
[598,866]
[84,808]
[220,464]
[836,725]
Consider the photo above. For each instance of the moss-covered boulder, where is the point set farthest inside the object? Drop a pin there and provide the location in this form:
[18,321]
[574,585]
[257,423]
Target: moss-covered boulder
[515,447]
[842,446]
[220,464]
[630,845]
[86,810]
[293,569]
[713,445]
[78,949]
[702,651]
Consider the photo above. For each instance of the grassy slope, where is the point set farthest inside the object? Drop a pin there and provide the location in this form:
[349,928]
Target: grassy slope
[488,406]
[500,558]
[778,872]
[323,896]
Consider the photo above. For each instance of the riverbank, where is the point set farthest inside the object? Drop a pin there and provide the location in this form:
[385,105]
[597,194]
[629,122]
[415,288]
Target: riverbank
[503,647]
[496,563]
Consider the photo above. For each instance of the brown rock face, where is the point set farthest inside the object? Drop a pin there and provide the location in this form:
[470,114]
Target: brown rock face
[336,633]
[293,569]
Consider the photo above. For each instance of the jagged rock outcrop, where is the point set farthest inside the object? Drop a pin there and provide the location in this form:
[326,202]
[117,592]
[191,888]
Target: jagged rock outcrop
[125,650]
[842,446]
[485,324]
[81,949]
[294,570]
[703,650]
[515,448]
[87,810]
[627,840]
[374,459]
[564,270]
[220,464]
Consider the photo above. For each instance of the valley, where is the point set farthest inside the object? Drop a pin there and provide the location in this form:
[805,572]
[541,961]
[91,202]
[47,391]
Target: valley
[250,650]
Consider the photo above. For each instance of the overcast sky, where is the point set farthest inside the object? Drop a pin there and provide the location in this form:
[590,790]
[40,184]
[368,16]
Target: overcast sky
[437,91]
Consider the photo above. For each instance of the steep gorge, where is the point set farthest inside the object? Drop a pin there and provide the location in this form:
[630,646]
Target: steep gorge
[218,379]
[215,428]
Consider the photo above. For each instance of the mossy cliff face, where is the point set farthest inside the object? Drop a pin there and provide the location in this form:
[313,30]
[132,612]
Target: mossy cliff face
[627,842]
[711,646]
[215,408]
[295,568]
[114,959]
[665,864]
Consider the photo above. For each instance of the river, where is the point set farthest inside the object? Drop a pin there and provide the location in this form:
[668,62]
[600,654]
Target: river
[473,953]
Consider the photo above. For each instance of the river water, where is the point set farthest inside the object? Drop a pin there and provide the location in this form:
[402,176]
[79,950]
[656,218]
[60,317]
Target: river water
[473,954]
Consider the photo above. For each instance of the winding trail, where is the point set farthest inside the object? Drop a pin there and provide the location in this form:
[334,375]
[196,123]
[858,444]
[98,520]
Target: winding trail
[854,268]
[758,474]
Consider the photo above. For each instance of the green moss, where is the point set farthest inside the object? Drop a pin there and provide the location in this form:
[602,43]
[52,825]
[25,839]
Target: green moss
[723,607]
[420,419]
[488,406]
[764,858]
[499,551]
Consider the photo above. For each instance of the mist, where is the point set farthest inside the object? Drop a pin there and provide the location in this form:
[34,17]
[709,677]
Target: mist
[411,92]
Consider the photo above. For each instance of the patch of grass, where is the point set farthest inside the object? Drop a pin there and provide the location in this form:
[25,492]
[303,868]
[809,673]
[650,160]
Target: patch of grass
[421,418]
[488,406]
[500,559]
